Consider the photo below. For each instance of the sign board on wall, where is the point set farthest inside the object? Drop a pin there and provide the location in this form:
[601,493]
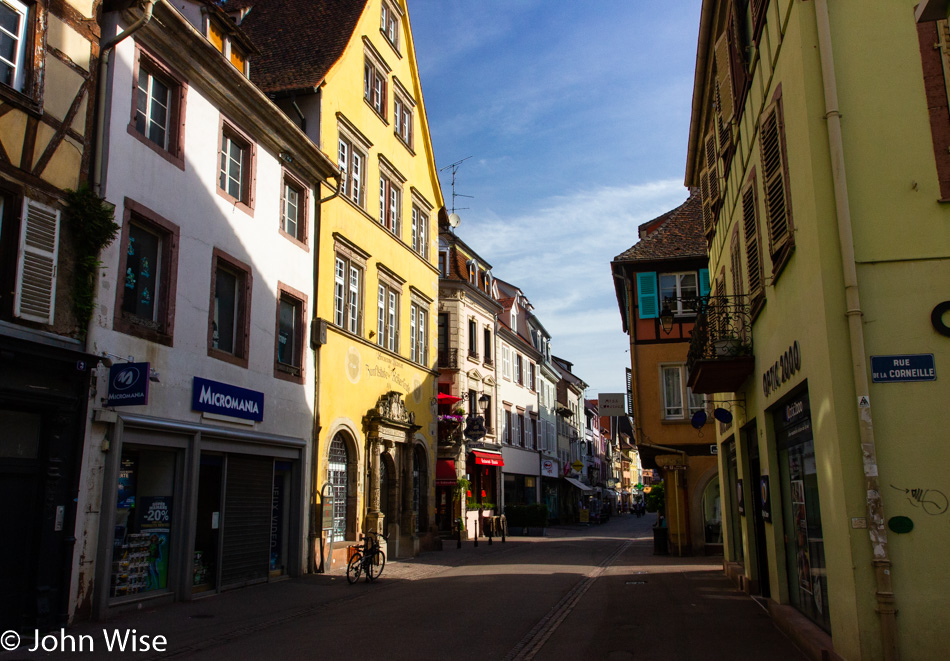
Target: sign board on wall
[612,403]
[903,368]
[765,498]
[128,384]
[225,399]
[548,468]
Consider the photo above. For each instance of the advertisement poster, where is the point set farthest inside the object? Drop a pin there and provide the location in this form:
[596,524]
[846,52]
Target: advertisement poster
[126,496]
[154,519]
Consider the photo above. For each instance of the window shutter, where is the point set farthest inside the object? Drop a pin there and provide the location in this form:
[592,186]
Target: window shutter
[712,166]
[736,259]
[36,263]
[773,167]
[751,232]
[704,282]
[647,295]
[708,215]
[724,79]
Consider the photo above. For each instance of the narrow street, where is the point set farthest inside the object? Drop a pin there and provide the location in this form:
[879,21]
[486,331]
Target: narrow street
[576,593]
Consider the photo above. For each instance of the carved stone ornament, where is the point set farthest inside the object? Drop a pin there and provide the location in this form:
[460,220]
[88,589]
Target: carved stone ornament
[391,407]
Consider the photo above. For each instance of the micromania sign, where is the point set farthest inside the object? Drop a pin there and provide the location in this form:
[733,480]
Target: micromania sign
[224,399]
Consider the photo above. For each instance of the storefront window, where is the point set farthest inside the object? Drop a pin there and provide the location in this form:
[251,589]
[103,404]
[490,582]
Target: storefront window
[143,520]
[732,483]
[280,518]
[805,550]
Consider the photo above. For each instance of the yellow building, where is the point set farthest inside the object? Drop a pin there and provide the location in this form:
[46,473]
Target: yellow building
[47,93]
[349,75]
[819,140]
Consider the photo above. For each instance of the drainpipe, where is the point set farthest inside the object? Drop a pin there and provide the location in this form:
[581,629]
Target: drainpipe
[314,563]
[105,51]
[875,506]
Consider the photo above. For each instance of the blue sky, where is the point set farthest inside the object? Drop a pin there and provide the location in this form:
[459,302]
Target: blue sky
[575,115]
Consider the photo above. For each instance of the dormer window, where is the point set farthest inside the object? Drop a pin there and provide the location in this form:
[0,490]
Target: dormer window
[389,24]
[225,45]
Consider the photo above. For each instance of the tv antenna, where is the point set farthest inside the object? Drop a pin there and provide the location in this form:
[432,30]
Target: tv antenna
[455,168]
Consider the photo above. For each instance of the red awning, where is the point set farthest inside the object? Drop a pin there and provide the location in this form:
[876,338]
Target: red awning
[445,398]
[488,458]
[445,473]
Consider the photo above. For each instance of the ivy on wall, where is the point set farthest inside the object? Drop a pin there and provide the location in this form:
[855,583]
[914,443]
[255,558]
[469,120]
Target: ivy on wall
[92,224]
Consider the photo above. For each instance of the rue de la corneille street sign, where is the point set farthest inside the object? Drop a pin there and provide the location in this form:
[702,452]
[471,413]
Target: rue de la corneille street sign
[908,367]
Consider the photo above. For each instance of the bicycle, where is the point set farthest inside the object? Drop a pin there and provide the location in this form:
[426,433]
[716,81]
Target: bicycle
[369,559]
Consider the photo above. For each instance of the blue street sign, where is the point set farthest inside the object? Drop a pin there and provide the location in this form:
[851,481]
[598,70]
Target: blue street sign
[128,384]
[225,399]
[910,367]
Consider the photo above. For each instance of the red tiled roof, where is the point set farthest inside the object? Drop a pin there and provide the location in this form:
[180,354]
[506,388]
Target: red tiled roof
[299,39]
[677,233]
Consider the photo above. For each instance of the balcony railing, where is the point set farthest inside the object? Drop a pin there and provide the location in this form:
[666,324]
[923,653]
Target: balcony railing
[720,351]
[449,359]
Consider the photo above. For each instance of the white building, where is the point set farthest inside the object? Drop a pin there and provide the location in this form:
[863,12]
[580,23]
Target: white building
[205,485]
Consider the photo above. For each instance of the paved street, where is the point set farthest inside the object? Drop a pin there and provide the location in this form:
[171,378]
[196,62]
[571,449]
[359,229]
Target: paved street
[576,593]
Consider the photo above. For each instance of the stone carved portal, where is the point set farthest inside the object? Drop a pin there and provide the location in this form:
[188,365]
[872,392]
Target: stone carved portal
[390,429]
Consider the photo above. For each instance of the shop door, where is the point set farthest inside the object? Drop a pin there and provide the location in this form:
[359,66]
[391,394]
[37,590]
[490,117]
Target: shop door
[208,522]
[758,523]
[384,494]
[245,555]
[19,483]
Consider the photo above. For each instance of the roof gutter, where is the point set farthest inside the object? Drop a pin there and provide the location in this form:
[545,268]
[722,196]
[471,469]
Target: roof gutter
[695,123]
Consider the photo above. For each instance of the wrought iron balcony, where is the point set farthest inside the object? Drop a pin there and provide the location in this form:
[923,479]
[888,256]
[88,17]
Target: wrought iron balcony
[720,352]
[449,359]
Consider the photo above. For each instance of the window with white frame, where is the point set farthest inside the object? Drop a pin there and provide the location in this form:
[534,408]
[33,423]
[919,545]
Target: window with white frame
[418,329]
[681,290]
[531,375]
[294,199]
[387,309]
[519,369]
[375,74]
[506,361]
[679,401]
[402,114]
[13,41]
[389,24]
[351,161]
[420,232]
[237,151]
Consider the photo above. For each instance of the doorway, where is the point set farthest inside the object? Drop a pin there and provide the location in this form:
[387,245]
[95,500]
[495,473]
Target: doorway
[758,523]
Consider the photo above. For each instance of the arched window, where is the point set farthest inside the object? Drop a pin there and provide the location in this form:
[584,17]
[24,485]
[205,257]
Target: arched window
[420,487]
[338,477]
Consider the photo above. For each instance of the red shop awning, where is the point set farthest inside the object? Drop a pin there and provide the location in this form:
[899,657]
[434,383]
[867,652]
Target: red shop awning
[445,398]
[445,473]
[488,458]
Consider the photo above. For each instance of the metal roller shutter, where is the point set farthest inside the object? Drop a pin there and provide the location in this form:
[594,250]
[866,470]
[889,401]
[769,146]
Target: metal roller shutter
[247,510]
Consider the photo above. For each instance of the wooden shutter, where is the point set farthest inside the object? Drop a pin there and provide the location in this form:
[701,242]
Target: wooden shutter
[712,166]
[708,213]
[934,42]
[35,297]
[725,94]
[750,227]
[773,168]
[648,296]
[736,264]
[704,282]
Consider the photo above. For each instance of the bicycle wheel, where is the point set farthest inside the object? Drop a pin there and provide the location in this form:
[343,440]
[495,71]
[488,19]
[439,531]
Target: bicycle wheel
[374,567]
[354,568]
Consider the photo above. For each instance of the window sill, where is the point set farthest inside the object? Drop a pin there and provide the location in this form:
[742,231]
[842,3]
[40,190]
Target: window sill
[289,373]
[177,161]
[780,261]
[382,118]
[227,357]
[130,326]
[391,44]
[297,242]
[22,101]
[412,152]
[246,207]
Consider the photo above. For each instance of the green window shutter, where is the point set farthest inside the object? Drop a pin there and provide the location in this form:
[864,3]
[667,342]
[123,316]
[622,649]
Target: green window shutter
[704,282]
[648,296]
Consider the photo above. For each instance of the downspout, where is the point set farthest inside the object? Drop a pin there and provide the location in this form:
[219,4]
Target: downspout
[105,51]
[314,563]
[875,506]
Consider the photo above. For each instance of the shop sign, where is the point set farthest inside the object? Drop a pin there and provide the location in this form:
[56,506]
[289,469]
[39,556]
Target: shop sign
[612,404]
[225,399]
[128,384]
[765,495]
[548,468]
[782,369]
[904,368]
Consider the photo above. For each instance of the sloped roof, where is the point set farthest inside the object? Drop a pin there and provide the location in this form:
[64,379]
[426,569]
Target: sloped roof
[675,234]
[299,39]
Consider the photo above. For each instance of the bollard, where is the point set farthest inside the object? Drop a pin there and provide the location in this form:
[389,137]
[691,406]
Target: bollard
[504,527]
[458,527]
[491,529]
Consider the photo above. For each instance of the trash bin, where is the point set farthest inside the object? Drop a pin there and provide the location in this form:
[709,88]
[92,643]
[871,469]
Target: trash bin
[661,539]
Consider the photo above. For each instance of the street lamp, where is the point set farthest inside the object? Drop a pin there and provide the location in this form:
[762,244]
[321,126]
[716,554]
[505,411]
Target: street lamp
[666,317]
[483,402]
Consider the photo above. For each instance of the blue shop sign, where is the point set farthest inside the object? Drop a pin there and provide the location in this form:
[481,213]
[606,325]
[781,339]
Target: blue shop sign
[128,384]
[225,399]
[910,367]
